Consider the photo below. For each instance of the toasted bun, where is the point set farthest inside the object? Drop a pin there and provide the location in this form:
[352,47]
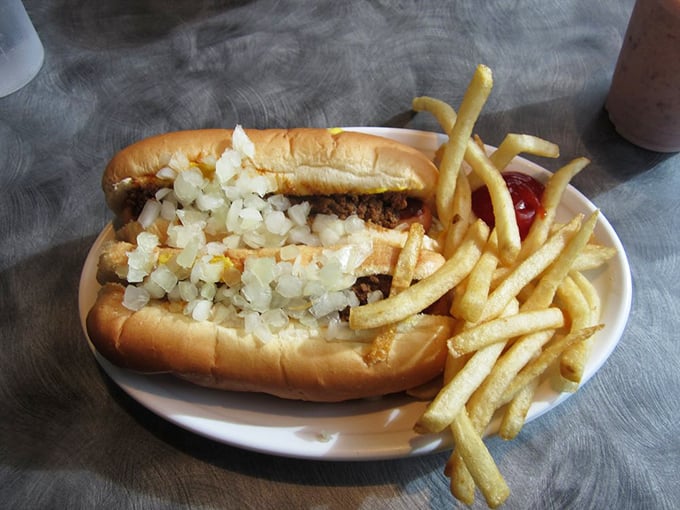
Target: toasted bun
[299,365]
[303,161]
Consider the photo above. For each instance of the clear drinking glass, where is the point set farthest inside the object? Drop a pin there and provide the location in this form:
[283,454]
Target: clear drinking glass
[21,52]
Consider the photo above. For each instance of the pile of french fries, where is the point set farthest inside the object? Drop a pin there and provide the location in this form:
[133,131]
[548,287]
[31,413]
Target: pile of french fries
[525,311]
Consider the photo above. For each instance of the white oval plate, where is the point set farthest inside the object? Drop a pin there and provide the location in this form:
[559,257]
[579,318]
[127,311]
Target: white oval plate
[356,430]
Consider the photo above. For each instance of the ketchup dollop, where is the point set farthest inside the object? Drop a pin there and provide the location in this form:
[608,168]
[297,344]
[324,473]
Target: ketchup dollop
[526,193]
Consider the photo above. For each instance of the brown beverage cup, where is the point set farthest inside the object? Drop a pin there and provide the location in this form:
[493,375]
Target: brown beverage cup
[644,98]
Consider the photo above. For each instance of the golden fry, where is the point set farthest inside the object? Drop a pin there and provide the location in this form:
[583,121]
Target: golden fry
[462,214]
[514,144]
[529,269]
[509,243]
[488,397]
[544,292]
[453,396]
[422,294]
[408,259]
[552,196]
[459,138]
[505,328]
[470,306]
[442,111]
[478,460]
[516,413]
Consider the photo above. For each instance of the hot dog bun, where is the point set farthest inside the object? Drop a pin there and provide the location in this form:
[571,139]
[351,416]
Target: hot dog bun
[303,161]
[304,366]
[300,358]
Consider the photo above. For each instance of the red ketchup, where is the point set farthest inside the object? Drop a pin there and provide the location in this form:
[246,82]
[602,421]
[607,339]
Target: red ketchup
[526,193]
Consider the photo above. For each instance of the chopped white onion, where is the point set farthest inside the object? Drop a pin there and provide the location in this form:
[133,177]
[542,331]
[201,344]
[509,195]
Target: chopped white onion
[201,310]
[147,241]
[149,214]
[166,173]
[188,185]
[241,143]
[135,298]
[164,278]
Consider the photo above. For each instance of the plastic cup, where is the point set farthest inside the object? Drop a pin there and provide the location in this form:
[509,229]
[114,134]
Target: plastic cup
[21,52]
[644,99]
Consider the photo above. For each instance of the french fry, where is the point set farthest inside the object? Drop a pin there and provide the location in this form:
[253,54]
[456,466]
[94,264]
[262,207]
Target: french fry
[381,345]
[470,306]
[552,195]
[514,144]
[452,398]
[426,291]
[529,269]
[589,293]
[442,111]
[540,364]
[462,483]
[478,460]
[515,415]
[488,397]
[401,279]
[573,361]
[408,259]
[459,138]
[545,291]
[462,213]
[505,328]
[592,257]
[509,243]
[574,303]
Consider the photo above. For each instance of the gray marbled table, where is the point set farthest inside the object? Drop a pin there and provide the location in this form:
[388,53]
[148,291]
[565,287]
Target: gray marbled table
[118,70]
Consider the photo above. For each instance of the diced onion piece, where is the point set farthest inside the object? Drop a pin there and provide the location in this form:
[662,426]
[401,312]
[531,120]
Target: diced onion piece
[279,202]
[299,213]
[147,241]
[135,298]
[179,162]
[168,209]
[188,185]
[254,325]
[187,256]
[354,224]
[277,223]
[162,193]
[374,296]
[150,213]
[208,291]
[166,173]
[241,143]
[275,319]
[187,291]
[228,165]
[209,201]
[155,291]
[289,286]
[164,278]
[201,310]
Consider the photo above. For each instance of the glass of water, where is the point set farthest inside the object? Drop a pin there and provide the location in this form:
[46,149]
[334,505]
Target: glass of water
[21,52]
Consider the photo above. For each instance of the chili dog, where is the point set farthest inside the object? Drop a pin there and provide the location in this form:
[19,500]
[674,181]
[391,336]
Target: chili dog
[238,254]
